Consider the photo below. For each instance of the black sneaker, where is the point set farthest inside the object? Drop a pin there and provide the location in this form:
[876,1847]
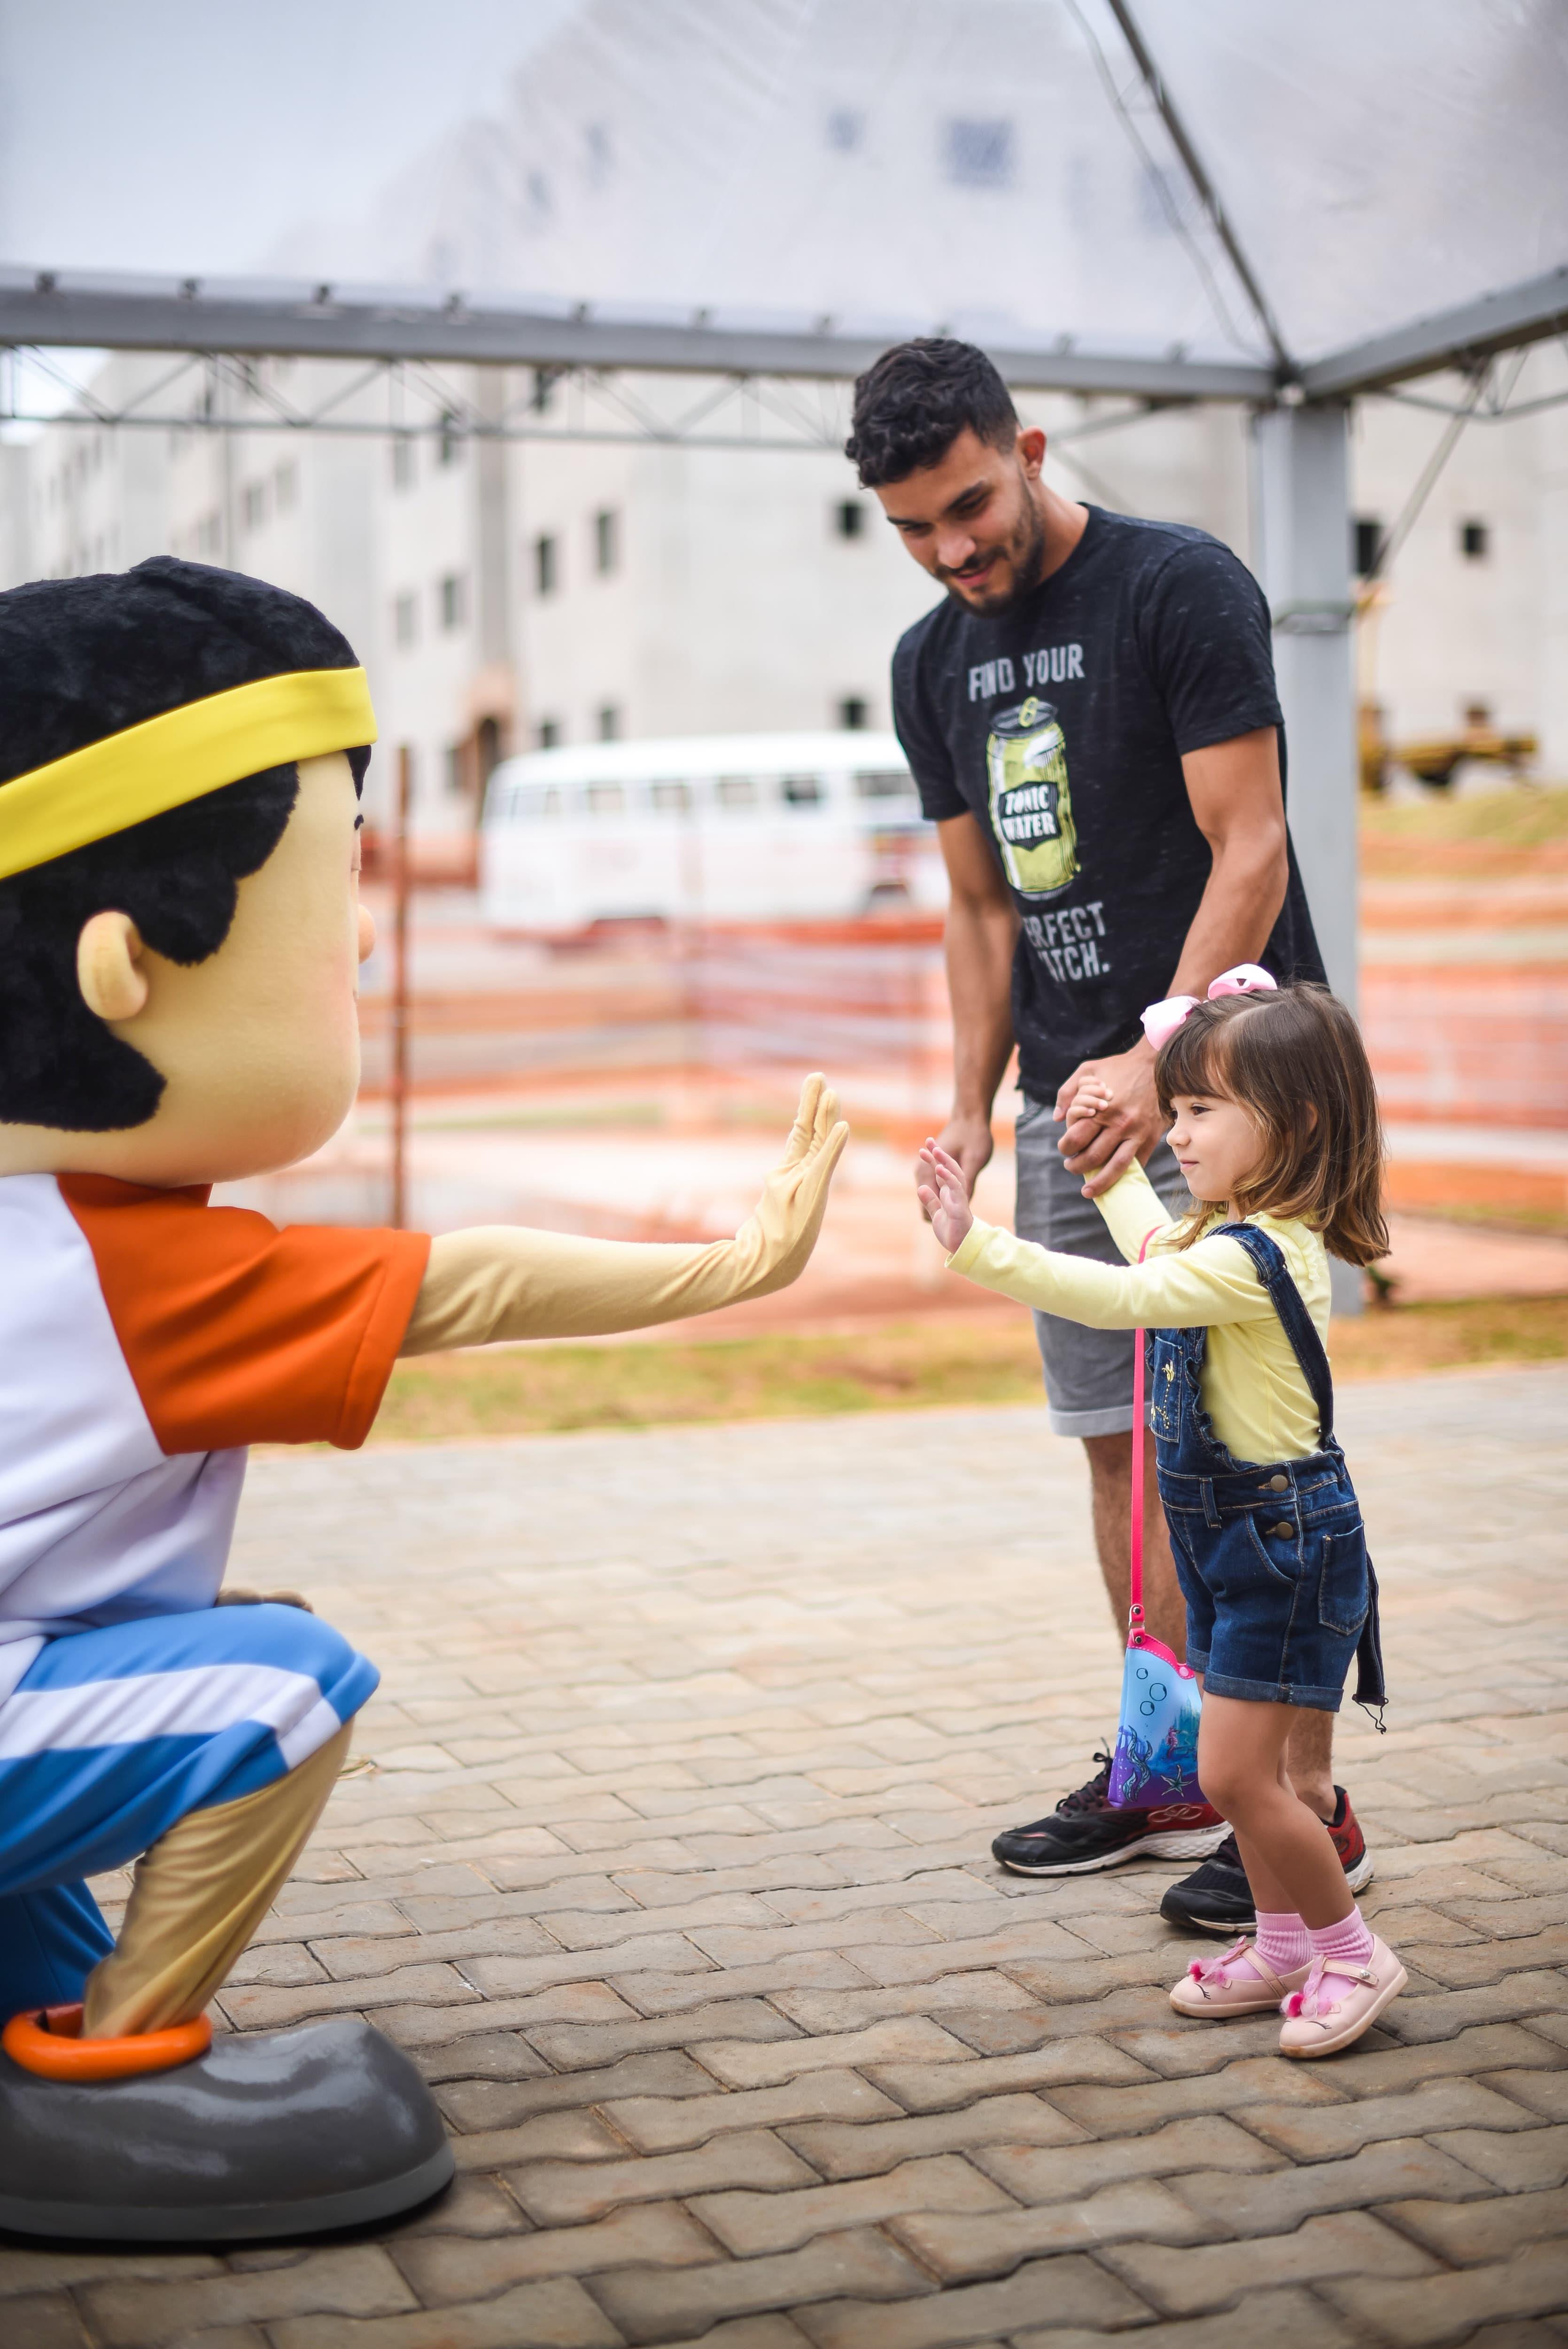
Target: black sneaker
[1083,1833]
[1217,1898]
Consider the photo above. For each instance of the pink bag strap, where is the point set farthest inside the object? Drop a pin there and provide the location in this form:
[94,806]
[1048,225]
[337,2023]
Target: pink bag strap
[1135,1612]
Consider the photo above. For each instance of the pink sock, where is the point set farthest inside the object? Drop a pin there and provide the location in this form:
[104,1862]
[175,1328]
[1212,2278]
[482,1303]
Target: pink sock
[1350,1939]
[1283,1941]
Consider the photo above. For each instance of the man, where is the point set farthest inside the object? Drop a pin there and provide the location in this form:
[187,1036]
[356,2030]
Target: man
[1091,719]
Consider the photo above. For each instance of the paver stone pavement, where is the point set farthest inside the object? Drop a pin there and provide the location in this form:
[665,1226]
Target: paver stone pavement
[668,1858]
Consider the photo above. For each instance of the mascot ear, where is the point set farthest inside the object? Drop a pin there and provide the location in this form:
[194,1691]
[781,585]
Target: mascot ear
[108,967]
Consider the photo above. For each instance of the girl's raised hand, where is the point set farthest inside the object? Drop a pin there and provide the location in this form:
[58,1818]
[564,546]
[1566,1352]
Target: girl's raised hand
[945,1195]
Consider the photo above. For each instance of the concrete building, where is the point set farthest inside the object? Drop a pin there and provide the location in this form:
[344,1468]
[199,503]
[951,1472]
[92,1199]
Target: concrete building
[507,593]
[1474,612]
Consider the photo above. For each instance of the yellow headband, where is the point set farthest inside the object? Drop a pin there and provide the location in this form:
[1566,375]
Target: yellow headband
[167,761]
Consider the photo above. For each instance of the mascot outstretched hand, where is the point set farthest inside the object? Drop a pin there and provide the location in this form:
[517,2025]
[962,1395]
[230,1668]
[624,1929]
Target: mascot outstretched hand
[180,942]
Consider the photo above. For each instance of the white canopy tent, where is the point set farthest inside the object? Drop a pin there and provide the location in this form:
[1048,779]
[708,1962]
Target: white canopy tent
[1166,199]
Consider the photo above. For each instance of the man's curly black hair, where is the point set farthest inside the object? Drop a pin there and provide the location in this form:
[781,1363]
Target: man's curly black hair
[80,660]
[911,404]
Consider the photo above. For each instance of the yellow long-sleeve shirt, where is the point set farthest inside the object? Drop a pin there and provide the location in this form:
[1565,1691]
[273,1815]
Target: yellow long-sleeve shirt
[1251,1384]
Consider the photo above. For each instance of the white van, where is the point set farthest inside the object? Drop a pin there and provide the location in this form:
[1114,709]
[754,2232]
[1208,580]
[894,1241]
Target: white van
[710,828]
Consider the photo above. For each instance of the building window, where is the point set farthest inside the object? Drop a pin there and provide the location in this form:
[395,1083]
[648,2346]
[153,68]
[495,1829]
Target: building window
[457,768]
[671,795]
[1475,541]
[606,543]
[849,518]
[737,791]
[846,129]
[1369,545]
[546,566]
[405,619]
[452,600]
[1160,195]
[450,446]
[541,399]
[852,714]
[609,722]
[403,461]
[254,505]
[979,151]
[803,790]
[547,734]
[285,488]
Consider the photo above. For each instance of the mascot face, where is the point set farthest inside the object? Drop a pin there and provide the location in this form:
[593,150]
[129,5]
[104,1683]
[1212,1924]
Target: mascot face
[180,932]
[259,1044]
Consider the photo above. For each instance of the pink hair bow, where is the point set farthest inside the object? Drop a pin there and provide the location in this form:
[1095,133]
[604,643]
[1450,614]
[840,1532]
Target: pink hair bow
[1162,1020]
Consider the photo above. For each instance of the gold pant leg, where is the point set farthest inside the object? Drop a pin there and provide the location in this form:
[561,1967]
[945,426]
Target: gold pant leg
[198,1895]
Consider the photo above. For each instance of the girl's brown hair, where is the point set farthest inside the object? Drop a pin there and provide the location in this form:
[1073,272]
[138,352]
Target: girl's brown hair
[1294,1060]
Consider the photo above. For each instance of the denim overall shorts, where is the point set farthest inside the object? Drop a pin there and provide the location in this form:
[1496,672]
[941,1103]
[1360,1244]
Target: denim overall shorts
[1271,1555]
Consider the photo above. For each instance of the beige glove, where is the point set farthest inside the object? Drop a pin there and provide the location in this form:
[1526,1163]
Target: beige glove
[503,1281]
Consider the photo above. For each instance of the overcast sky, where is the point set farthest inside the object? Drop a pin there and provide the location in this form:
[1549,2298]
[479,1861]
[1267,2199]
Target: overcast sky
[190,135]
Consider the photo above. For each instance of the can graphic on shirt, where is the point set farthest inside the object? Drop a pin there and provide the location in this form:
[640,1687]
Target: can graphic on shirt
[1030,799]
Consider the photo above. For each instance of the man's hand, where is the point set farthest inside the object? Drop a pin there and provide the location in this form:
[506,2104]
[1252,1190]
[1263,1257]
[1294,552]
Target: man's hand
[967,1140]
[1112,1116]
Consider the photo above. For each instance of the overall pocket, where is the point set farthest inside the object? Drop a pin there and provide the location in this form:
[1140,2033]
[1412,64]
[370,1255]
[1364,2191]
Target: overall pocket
[1343,1589]
[1276,1544]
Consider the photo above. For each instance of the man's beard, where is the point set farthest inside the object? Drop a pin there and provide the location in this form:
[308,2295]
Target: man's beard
[1027,553]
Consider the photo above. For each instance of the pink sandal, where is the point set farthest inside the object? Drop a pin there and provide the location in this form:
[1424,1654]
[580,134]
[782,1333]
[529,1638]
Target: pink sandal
[1339,2001]
[1236,1983]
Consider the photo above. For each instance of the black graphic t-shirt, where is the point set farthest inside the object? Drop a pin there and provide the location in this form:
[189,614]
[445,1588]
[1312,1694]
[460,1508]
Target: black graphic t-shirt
[1061,725]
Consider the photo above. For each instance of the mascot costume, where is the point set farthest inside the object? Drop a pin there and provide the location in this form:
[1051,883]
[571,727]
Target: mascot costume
[180,943]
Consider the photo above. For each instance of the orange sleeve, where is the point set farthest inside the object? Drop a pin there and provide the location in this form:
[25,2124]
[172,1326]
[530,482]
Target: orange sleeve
[235,1332]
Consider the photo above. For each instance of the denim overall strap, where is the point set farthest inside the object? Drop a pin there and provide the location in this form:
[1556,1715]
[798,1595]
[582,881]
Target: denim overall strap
[1269,1262]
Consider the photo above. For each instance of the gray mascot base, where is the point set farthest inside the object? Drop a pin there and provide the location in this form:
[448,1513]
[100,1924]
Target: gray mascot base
[285,2133]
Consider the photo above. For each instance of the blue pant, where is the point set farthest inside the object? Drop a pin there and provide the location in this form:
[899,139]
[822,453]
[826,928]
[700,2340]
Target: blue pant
[114,1735]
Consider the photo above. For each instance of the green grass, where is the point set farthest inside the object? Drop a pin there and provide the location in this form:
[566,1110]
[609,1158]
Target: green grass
[1514,818]
[905,1366]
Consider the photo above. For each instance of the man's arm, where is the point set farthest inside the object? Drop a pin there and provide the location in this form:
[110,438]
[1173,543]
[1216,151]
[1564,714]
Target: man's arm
[981,933]
[1234,791]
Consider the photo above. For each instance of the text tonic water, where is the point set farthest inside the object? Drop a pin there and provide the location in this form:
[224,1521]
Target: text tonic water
[1031,801]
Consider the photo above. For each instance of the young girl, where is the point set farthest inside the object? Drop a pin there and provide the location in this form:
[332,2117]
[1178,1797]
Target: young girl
[1274,1123]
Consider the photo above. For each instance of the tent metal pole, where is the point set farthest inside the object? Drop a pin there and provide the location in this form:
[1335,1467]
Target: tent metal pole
[1301,486]
[1203,185]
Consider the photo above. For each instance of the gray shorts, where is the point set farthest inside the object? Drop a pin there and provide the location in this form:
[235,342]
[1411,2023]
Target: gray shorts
[1088,1373]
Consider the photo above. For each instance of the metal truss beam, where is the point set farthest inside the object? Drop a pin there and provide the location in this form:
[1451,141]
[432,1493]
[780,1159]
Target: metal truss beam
[44,310]
[1462,338]
[50,310]
[387,399]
